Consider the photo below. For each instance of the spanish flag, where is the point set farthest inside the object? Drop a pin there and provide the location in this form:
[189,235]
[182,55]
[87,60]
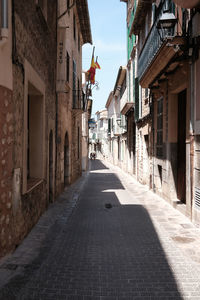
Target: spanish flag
[97,65]
[92,71]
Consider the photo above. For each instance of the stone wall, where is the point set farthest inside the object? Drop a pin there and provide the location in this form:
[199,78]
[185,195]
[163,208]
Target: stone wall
[34,41]
[6,167]
[69,118]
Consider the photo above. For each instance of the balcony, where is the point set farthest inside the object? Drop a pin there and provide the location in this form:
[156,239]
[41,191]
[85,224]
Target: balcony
[125,105]
[160,47]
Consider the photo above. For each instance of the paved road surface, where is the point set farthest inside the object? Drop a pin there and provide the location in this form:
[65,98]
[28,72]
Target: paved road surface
[117,241]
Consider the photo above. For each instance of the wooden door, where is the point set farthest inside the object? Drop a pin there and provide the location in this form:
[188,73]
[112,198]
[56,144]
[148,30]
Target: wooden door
[181,149]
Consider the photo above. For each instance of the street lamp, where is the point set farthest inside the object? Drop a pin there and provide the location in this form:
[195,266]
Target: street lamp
[119,121]
[165,22]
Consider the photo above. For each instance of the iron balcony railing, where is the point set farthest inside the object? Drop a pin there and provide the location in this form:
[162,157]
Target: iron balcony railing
[154,41]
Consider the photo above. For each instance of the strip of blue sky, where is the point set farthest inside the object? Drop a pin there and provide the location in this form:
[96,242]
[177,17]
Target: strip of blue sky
[108,24]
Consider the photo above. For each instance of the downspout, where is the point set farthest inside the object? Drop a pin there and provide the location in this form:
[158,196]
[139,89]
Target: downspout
[4,22]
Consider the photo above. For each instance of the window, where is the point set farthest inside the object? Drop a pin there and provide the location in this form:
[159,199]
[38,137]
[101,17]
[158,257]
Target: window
[101,123]
[159,144]
[74,84]
[67,66]
[74,27]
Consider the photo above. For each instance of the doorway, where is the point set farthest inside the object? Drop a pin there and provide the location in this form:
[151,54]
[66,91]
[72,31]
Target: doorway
[51,167]
[66,160]
[181,147]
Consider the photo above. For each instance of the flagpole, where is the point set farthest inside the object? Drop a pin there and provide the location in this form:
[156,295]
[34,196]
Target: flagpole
[93,53]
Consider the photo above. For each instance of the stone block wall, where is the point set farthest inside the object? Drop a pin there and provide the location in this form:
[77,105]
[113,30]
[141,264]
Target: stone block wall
[34,41]
[6,167]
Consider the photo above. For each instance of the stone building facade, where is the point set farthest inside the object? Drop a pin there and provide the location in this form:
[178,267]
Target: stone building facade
[165,72]
[167,102]
[28,98]
[86,121]
[120,126]
[6,132]
[102,131]
[73,32]
[40,109]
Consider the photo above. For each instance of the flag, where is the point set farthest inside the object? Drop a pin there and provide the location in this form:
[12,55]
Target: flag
[92,71]
[97,65]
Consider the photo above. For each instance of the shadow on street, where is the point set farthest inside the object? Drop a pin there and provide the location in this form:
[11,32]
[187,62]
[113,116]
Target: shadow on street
[105,251]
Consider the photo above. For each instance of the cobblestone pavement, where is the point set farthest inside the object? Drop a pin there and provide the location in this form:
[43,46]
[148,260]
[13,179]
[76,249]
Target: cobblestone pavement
[116,241]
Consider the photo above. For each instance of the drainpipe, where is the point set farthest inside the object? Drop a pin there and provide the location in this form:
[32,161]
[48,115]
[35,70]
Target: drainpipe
[4,22]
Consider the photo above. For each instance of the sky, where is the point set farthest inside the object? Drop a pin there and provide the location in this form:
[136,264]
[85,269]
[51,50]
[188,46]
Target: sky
[108,27]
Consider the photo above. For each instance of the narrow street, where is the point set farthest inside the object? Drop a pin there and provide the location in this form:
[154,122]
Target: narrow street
[120,241]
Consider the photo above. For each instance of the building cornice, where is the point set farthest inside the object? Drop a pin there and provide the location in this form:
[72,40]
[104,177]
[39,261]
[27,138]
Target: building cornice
[84,19]
[110,97]
[140,14]
[120,78]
